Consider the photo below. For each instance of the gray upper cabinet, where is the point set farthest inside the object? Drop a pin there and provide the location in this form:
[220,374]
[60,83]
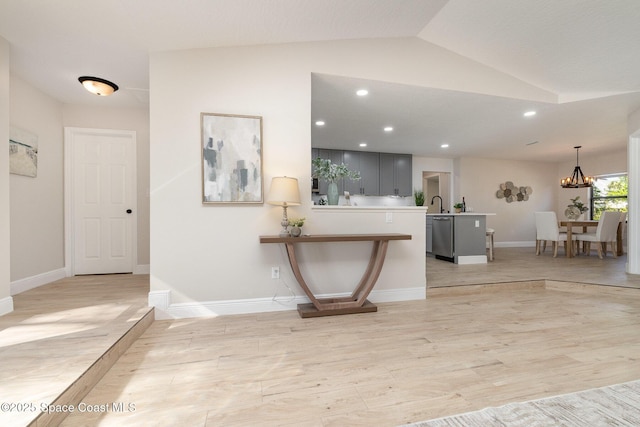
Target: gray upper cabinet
[368,165]
[395,174]
[336,156]
[382,174]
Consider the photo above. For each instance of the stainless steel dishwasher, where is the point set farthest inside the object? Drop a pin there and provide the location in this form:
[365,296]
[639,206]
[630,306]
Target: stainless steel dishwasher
[442,244]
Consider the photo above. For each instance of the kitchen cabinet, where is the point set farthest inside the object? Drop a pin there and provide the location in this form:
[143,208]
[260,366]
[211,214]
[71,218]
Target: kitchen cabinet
[470,237]
[367,164]
[459,238]
[382,174]
[443,237]
[336,156]
[395,174]
[429,234]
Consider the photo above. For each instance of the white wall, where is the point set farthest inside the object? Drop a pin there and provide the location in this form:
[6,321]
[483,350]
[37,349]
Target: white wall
[633,218]
[6,302]
[37,204]
[206,253]
[433,164]
[478,180]
[634,123]
[37,210]
[135,119]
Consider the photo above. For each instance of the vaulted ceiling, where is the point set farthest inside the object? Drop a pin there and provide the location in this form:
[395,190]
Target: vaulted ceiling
[584,51]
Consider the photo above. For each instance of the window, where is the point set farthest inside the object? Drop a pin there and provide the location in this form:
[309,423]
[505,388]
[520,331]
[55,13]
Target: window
[609,193]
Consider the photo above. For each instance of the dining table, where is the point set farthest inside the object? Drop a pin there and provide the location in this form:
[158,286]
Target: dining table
[585,224]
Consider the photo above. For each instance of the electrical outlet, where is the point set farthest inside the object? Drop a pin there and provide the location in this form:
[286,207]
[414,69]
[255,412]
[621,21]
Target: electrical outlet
[389,217]
[477,223]
[275,272]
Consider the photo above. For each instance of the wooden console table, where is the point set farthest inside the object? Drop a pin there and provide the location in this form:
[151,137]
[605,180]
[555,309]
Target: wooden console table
[355,303]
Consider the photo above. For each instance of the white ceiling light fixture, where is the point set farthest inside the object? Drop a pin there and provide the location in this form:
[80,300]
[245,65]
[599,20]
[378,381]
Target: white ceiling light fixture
[98,86]
[530,113]
[362,92]
[388,129]
[320,123]
[444,145]
[363,144]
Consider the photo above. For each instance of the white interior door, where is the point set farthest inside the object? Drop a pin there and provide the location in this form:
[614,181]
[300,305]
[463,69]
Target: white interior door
[101,183]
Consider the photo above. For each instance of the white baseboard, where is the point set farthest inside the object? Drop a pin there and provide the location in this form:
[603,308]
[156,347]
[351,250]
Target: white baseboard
[165,310]
[142,269]
[32,282]
[471,259]
[394,295]
[6,305]
[524,244]
[22,285]
[160,299]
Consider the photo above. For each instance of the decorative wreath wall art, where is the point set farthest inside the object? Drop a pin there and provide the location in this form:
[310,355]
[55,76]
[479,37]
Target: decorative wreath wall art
[511,193]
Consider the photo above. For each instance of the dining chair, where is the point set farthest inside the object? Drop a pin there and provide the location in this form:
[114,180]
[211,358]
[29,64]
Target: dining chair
[605,233]
[547,230]
[489,233]
[623,231]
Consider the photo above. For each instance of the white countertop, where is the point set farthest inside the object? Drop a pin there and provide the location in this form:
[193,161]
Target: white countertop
[343,208]
[462,213]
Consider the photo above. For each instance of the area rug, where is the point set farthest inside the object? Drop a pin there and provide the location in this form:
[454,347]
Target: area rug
[616,405]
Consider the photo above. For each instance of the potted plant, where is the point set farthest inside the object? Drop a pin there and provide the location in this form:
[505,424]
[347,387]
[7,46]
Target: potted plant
[458,207]
[332,172]
[295,224]
[418,196]
[575,209]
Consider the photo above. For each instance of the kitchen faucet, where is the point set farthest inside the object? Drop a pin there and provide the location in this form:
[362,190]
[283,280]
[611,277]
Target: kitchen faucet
[434,197]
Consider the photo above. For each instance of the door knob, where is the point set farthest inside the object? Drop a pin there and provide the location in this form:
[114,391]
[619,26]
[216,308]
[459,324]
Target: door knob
[129,211]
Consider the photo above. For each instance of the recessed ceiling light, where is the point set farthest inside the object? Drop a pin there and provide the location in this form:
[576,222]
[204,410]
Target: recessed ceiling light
[320,123]
[362,92]
[530,114]
[363,144]
[444,146]
[388,129]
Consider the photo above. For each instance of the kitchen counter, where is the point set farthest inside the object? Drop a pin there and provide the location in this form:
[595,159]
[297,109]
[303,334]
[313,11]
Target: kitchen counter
[458,237]
[461,214]
[345,208]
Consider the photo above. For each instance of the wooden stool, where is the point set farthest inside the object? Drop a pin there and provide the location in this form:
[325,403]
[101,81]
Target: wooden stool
[490,233]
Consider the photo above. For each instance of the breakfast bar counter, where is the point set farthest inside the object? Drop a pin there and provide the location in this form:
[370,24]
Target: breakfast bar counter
[458,237]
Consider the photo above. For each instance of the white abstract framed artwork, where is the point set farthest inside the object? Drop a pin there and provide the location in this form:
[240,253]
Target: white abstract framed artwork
[23,152]
[231,147]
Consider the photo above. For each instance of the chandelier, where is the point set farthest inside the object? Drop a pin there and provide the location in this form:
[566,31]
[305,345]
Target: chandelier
[577,180]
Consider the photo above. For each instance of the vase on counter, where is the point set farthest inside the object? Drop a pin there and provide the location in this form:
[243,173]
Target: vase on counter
[332,193]
[296,231]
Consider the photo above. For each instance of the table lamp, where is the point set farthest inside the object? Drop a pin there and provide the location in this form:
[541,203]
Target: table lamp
[284,192]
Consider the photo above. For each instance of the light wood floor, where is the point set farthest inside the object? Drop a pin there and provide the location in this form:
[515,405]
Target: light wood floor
[57,332]
[462,349]
[517,264]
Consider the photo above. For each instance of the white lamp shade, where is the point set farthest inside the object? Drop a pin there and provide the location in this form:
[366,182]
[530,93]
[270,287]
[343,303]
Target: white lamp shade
[284,191]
